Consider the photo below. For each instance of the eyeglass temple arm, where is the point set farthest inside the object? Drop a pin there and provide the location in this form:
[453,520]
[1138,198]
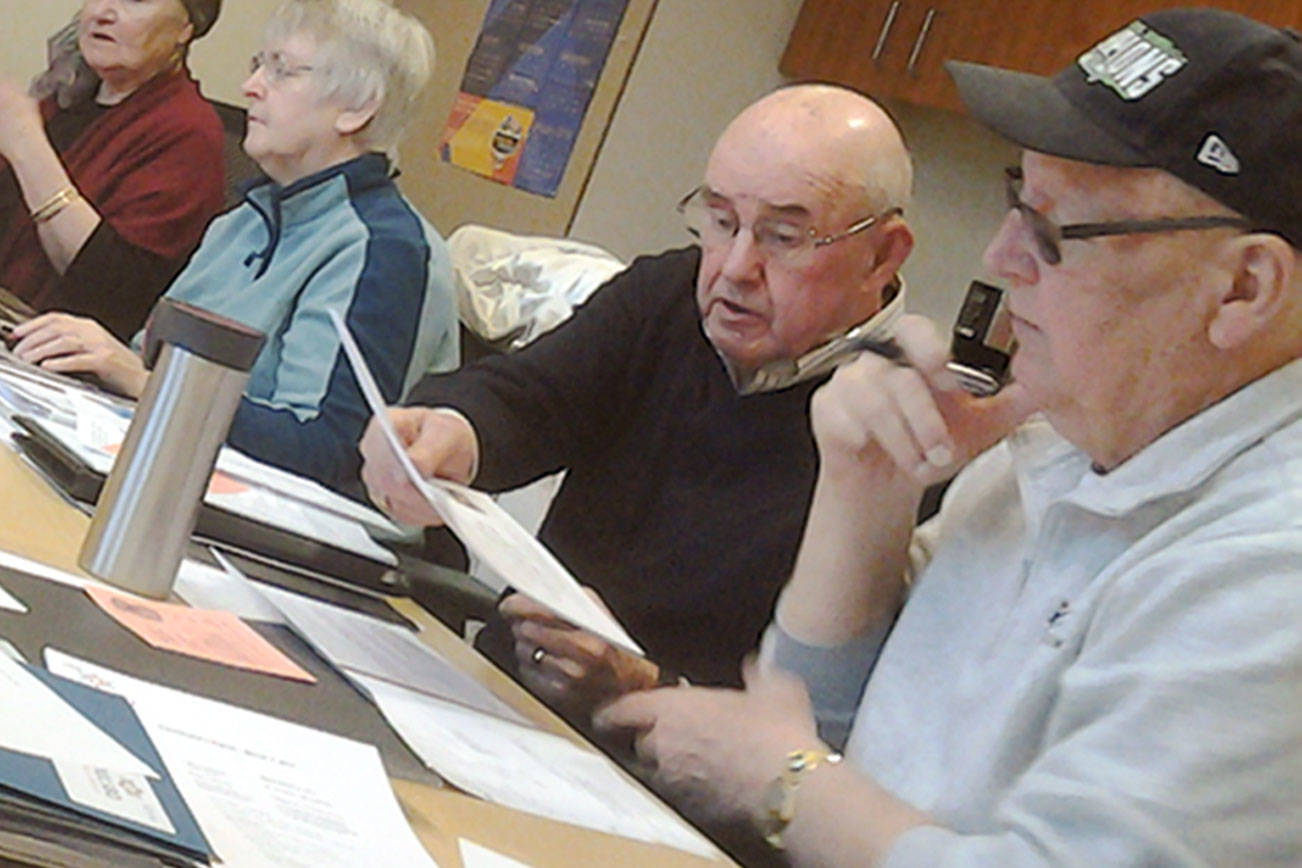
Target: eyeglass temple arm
[854,228]
[1134,227]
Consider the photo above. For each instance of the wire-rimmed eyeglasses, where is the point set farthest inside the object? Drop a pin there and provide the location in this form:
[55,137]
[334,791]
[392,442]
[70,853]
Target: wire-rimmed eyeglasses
[777,238]
[275,69]
[1049,235]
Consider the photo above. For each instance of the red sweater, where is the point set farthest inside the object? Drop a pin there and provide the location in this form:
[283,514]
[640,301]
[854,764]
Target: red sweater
[152,167]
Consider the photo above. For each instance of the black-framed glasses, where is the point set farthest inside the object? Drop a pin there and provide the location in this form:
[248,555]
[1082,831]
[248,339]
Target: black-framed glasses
[778,238]
[275,69]
[1049,235]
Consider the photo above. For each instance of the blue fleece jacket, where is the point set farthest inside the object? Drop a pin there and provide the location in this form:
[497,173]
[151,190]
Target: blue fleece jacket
[344,239]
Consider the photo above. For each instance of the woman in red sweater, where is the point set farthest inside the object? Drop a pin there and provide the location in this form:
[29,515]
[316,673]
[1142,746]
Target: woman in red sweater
[107,183]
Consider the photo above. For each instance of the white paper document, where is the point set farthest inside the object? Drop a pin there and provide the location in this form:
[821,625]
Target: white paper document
[98,425]
[7,649]
[489,532]
[358,644]
[530,770]
[94,430]
[49,727]
[10,603]
[240,466]
[475,856]
[304,519]
[265,791]
[205,587]
[27,566]
[502,544]
[29,394]
[121,794]
[43,570]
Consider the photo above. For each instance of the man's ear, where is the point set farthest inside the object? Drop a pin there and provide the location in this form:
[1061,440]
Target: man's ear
[351,121]
[895,246]
[1261,286]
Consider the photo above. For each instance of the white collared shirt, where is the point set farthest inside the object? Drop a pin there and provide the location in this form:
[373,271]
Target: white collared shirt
[782,373]
[1098,669]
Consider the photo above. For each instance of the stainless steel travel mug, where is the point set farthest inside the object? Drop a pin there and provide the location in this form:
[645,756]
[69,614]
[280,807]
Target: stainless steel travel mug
[151,499]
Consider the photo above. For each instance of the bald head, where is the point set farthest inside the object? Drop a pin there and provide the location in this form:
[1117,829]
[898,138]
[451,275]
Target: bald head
[840,142]
[803,163]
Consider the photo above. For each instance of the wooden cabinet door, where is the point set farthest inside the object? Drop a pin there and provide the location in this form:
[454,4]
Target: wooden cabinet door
[1051,34]
[896,48]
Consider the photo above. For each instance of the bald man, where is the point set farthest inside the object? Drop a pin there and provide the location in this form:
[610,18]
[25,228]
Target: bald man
[677,400]
[1092,655]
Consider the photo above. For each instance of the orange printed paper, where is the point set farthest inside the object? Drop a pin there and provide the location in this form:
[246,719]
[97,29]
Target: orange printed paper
[219,637]
[223,484]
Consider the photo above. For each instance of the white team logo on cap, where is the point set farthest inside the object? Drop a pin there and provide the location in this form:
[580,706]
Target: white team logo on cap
[1132,61]
[1215,153]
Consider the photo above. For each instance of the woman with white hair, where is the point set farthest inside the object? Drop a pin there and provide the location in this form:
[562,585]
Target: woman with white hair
[110,164]
[328,230]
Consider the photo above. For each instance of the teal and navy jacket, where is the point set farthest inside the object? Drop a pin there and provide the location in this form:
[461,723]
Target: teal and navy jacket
[342,239]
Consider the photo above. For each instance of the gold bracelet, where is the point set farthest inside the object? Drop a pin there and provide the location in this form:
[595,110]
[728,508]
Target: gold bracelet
[780,797]
[56,203]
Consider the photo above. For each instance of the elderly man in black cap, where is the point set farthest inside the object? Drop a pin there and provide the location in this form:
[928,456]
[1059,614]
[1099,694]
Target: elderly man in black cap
[1092,656]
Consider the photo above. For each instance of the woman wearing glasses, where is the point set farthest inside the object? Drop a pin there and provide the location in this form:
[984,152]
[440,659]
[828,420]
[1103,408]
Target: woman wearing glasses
[109,180]
[328,230]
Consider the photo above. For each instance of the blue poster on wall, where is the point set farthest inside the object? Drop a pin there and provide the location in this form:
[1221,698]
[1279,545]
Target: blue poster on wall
[526,89]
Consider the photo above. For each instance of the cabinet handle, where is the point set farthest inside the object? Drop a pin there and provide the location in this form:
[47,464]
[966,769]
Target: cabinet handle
[886,30]
[922,37]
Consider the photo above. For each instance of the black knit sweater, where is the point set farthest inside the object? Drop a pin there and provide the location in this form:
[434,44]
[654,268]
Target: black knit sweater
[684,502]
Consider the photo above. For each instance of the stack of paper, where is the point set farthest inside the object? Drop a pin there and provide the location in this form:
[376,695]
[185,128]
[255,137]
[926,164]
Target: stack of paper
[530,770]
[469,736]
[359,647]
[266,791]
[93,428]
[78,774]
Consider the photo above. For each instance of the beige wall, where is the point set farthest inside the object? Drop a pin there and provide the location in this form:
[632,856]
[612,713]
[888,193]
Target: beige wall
[958,201]
[703,61]
[699,64]
[220,60]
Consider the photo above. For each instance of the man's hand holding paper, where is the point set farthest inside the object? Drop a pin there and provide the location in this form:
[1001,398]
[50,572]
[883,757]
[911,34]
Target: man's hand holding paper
[571,668]
[437,443]
[485,528]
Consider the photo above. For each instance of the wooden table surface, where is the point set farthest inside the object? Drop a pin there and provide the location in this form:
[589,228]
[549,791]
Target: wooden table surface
[37,523]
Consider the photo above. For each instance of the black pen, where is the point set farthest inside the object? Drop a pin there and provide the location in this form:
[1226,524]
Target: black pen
[971,379]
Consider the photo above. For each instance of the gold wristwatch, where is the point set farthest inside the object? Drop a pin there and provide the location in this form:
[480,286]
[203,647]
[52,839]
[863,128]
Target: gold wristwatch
[779,805]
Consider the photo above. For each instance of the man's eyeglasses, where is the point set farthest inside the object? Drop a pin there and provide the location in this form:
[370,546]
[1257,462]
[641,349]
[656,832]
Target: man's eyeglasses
[778,239]
[274,67]
[1049,235]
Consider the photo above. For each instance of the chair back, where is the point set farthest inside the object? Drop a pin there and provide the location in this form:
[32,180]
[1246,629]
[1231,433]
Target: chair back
[240,168]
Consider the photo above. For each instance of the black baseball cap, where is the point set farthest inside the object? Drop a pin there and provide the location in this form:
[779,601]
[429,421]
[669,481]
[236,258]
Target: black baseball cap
[1212,97]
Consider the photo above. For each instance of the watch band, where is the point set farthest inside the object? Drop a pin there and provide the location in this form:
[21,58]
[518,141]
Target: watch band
[779,806]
